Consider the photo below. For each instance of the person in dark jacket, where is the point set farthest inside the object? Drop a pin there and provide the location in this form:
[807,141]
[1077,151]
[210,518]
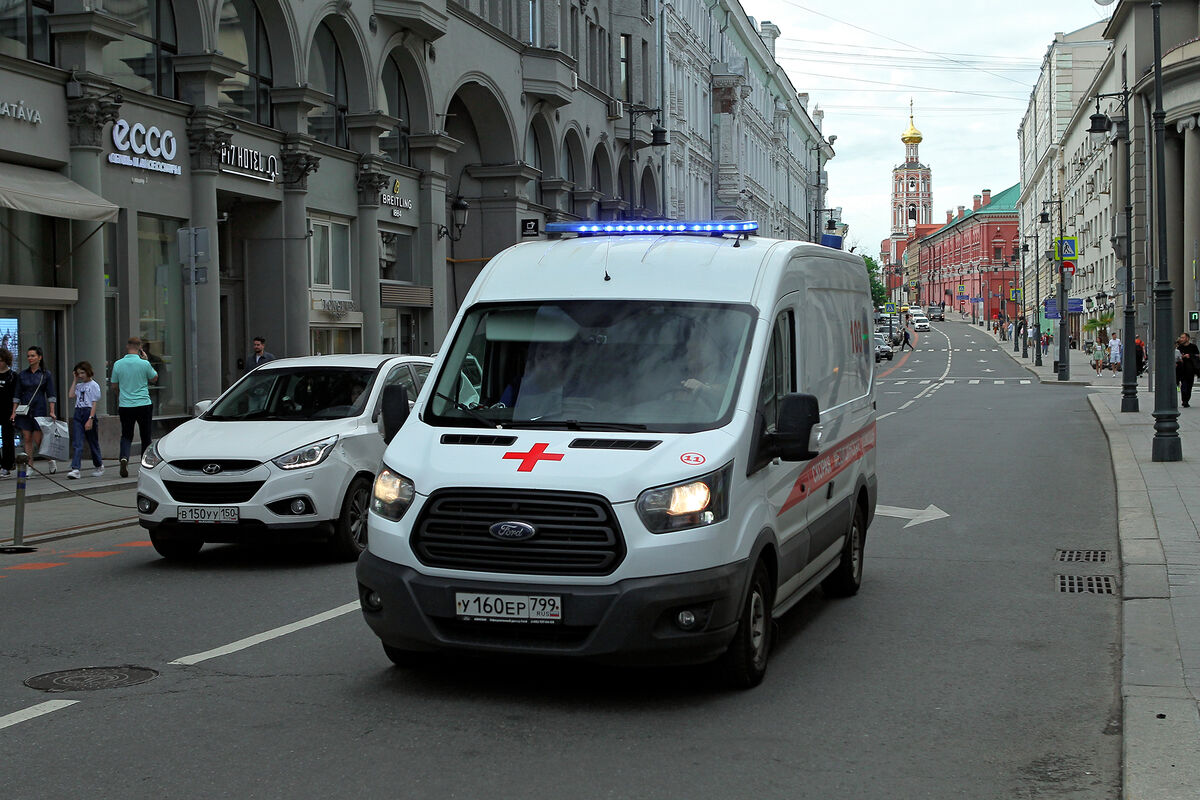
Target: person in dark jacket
[1186,363]
[35,387]
[8,389]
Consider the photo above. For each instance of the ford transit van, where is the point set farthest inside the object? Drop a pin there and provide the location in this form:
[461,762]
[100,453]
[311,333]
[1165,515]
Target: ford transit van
[635,446]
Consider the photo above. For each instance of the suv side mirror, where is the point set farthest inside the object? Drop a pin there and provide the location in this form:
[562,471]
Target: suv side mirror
[798,415]
[395,410]
[202,406]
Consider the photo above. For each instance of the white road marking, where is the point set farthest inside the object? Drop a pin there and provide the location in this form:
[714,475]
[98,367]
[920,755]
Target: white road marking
[884,416]
[924,382]
[998,383]
[1024,382]
[915,516]
[901,383]
[32,712]
[973,381]
[909,403]
[951,380]
[275,633]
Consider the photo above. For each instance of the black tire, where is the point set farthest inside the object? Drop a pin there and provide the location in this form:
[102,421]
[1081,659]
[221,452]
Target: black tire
[847,578]
[407,659]
[176,548]
[350,530]
[744,664]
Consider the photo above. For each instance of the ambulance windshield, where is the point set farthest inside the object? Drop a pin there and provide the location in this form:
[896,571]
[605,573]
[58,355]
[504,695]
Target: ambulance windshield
[594,365]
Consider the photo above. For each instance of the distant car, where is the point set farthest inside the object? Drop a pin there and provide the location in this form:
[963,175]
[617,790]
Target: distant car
[920,323]
[883,349]
[936,313]
[292,449]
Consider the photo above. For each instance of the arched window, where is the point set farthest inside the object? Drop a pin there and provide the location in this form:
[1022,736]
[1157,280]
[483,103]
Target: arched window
[327,73]
[394,143]
[533,157]
[244,36]
[144,59]
[566,165]
[24,29]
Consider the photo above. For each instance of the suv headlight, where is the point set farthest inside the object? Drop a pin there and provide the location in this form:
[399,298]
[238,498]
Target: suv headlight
[689,504]
[307,456]
[392,494]
[151,458]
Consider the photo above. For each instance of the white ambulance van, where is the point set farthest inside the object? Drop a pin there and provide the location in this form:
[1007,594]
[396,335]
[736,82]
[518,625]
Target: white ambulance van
[640,443]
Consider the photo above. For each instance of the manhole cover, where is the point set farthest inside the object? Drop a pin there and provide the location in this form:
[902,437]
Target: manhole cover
[1087,584]
[89,678]
[1093,556]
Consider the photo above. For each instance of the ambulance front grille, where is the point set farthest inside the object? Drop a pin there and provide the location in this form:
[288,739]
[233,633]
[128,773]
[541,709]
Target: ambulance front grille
[576,533]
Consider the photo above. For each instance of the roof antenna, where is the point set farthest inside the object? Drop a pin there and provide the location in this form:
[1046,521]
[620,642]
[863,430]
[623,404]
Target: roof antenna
[607,277]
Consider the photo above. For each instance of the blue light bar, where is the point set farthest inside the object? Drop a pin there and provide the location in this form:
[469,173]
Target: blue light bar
[714,227]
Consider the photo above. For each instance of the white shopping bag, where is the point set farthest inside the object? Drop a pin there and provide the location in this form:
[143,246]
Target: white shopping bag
[56,438]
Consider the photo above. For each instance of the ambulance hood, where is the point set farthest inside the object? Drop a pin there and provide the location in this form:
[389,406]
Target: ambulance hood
[616,465]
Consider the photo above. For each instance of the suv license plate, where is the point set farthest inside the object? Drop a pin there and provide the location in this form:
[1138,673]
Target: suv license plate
[508,608]
[207,514]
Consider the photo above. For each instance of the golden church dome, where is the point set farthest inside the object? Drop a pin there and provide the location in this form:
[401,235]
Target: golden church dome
[912,135]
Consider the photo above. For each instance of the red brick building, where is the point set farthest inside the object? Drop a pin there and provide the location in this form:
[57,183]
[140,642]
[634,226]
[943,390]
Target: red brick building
[972,263]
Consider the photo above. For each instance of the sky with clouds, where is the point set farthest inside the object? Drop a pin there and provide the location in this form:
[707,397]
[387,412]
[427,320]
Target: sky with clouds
[968,67]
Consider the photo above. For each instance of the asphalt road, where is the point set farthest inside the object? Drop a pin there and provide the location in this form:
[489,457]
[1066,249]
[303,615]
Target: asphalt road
[960,670]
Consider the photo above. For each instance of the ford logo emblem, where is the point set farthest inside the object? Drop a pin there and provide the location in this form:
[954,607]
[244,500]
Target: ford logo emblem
[211,469]
[512,531]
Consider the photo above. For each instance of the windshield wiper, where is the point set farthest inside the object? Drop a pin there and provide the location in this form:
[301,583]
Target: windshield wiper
[487,423]
[576,425]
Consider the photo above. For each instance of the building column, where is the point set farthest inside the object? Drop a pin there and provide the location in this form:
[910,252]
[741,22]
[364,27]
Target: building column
[1190,288]
[297,164]
[86,117]
[365,130]
[429,152]
[1175,250]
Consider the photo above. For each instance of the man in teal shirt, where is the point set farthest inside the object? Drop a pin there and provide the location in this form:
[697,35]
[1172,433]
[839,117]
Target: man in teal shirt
[133,375]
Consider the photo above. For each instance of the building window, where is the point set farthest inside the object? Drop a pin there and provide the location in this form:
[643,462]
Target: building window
[161,299]
[533,157]
[623,87]
[327,341]
[534,32]
[329,255]
[144,60]
[24,29]
[243,36]
[327,73]
[394,143]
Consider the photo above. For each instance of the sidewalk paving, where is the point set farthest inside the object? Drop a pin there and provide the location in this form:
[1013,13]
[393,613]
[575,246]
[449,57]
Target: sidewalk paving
[1160,584]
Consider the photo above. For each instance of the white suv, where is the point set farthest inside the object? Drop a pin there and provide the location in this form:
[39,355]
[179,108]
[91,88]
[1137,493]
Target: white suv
[293,446]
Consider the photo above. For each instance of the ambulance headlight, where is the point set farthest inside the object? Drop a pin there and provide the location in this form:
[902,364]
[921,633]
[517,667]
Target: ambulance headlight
[392,494]
[689,504]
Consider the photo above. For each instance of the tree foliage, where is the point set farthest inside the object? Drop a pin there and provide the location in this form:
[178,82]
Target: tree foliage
[878,290]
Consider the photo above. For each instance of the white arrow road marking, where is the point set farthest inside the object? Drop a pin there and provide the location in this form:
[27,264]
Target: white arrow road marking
[915,516]
[988,370]
[34,711]
[275,633]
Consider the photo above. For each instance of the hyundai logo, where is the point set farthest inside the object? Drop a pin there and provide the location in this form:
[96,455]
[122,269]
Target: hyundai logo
[211,469]
[512,531]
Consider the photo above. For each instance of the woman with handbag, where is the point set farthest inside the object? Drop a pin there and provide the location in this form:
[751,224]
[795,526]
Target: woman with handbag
[35,397]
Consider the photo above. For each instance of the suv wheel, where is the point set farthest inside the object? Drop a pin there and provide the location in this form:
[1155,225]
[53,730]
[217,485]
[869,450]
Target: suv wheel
[350,532]
[176,548]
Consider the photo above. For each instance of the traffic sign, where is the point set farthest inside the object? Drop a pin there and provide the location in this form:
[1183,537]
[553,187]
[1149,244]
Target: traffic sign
[889,308]
[1065,248]
[1015,295]
[1068,268]
[962,288]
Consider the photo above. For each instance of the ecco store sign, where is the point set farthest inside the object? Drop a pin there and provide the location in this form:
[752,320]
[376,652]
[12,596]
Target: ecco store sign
[144,148]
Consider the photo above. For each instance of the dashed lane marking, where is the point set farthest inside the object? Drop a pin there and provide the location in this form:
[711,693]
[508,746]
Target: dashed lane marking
[33,712]
[266,636]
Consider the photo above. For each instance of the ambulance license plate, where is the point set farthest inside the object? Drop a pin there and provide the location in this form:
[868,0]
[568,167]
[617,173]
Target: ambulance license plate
[508,608]
[207,514]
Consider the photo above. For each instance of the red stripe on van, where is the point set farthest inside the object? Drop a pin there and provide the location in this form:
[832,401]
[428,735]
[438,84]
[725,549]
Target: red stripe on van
[825,467]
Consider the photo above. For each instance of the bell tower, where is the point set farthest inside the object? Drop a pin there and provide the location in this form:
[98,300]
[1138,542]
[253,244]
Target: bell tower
[912,184]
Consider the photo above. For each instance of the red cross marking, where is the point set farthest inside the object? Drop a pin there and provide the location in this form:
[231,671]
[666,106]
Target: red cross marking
[536,453]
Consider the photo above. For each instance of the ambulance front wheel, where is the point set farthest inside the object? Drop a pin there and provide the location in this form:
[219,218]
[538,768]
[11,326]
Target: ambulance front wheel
[744,664]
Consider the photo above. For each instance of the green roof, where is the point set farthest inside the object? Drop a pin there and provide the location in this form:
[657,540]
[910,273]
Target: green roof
[1003,203]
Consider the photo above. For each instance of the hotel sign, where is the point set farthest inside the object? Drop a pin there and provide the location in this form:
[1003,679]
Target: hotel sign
[249,163]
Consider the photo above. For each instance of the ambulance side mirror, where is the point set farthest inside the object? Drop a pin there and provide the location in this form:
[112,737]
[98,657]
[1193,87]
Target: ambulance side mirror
[395,410]
[799,414]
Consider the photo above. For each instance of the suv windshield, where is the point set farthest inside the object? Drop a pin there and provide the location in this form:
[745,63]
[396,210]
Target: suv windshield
[594,365]
[296,394]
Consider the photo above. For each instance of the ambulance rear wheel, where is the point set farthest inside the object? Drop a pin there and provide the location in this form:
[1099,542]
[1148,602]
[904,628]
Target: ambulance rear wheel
[744,664]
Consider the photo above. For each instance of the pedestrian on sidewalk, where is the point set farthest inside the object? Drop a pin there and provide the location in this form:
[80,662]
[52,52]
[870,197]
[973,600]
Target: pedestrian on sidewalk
[1011,328]
[84,425]
[133,375]
[36,392]
[1098,356]
[8,388]
[1046,339]
[1115,351]
[1139,349]
[906,341]
[1187,359]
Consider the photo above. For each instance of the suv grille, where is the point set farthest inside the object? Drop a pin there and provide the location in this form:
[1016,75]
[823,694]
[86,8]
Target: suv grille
[212,492]
[577,534]
[226,464]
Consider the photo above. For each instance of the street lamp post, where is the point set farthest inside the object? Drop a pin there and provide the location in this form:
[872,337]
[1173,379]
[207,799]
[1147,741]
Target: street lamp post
[1037,294]
[658,138]
[1020,252]
[1101,125]
[1015,319]
[1166,446]
[815,230]
[1064,349]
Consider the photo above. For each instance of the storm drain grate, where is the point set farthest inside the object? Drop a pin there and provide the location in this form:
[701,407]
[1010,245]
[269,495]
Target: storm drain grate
[1087,584]
[89,678]
[1091,556]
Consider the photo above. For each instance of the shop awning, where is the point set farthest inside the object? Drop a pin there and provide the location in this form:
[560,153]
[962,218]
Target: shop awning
[41,191]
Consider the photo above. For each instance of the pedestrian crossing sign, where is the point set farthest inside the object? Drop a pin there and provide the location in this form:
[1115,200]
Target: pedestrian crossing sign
[962,288]
[1065,249]
[1015,295]
[889,308]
